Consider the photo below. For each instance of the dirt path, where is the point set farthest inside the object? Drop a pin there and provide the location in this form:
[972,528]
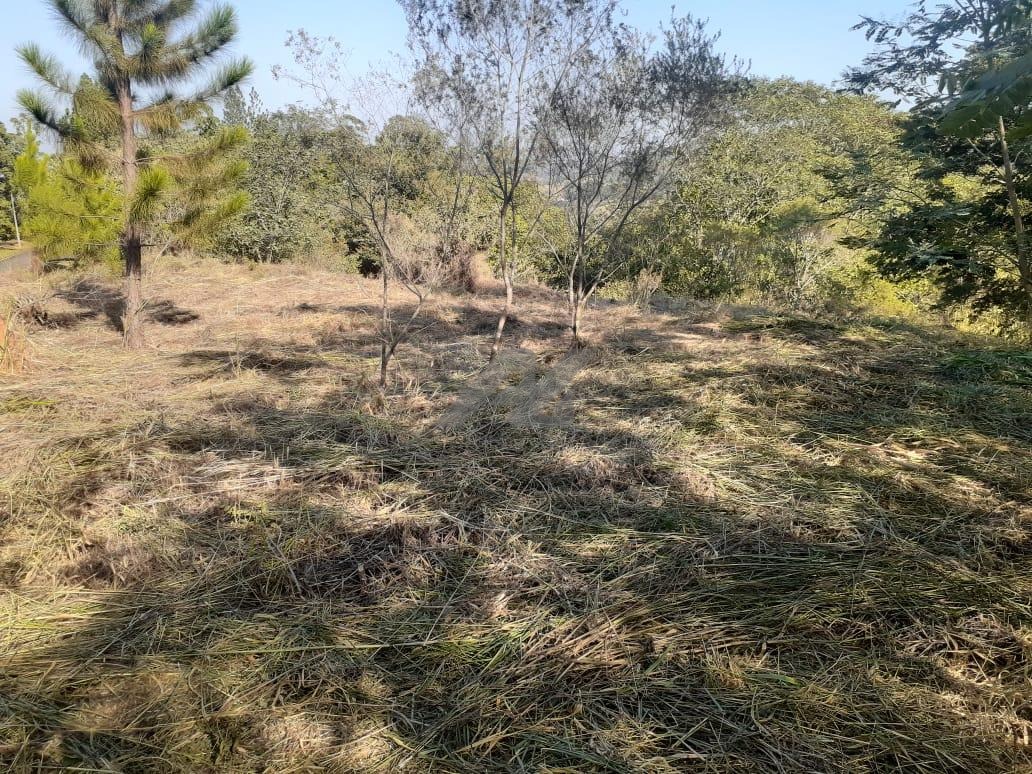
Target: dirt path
[19,262]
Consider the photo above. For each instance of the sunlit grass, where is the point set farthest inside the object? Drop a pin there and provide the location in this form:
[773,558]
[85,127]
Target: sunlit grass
[708,544]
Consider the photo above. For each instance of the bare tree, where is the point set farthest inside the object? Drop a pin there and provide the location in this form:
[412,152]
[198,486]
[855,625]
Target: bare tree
[502,61]
[394,173]
[617,129]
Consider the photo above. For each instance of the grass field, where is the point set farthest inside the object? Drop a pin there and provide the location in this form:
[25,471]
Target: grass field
[714,541]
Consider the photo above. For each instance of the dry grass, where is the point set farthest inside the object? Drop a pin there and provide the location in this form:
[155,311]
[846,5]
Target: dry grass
[13,349]
[713,544]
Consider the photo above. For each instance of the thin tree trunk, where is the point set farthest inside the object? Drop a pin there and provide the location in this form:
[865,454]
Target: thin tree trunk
[14,214]
[1021,237]
[571,299]
[575,321]
[131,241]
[503,261]
[506,312]
[573,296]
[385,325]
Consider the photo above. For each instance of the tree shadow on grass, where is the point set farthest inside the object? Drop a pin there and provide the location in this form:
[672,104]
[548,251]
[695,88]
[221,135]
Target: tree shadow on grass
[169,313]
[96,300]
[271,360]
[508,596]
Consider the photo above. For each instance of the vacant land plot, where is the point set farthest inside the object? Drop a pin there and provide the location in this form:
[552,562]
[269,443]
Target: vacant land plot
[711,542]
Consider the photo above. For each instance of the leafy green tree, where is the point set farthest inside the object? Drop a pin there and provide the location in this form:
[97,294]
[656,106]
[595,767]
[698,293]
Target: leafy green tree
[957,228]
[286,157]
[117,118]
[964,64]
[71,213]
[763,205]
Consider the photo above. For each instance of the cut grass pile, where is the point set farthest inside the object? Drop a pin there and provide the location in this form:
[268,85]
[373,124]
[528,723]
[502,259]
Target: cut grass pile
[703,545]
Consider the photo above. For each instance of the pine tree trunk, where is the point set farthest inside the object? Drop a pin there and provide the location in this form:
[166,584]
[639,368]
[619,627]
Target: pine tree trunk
[132,322]
[131,241]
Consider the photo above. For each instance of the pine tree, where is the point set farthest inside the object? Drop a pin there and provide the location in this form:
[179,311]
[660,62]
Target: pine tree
[70,213]
[138,55]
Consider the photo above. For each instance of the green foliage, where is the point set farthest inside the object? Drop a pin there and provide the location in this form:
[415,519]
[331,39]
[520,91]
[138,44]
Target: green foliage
[858,287]
[966,68]
[414,150]
[1002,93]
[762,209]
[70,213]
[194,193]
[9,149]
[536,231]
[286,217]
[1001,366]
[957,231]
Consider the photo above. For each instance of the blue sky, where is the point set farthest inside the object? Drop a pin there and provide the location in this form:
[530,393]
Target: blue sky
[807,39]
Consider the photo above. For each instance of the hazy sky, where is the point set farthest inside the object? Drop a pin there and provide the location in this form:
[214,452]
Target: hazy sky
[807,39]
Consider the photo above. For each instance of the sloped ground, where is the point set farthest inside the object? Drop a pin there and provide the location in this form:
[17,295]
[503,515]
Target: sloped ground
[707,544]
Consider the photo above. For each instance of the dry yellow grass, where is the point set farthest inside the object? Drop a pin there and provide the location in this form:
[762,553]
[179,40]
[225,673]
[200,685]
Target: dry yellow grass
[12,348]
[712,542]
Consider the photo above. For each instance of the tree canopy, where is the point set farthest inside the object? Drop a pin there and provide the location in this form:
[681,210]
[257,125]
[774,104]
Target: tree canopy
[964,65]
